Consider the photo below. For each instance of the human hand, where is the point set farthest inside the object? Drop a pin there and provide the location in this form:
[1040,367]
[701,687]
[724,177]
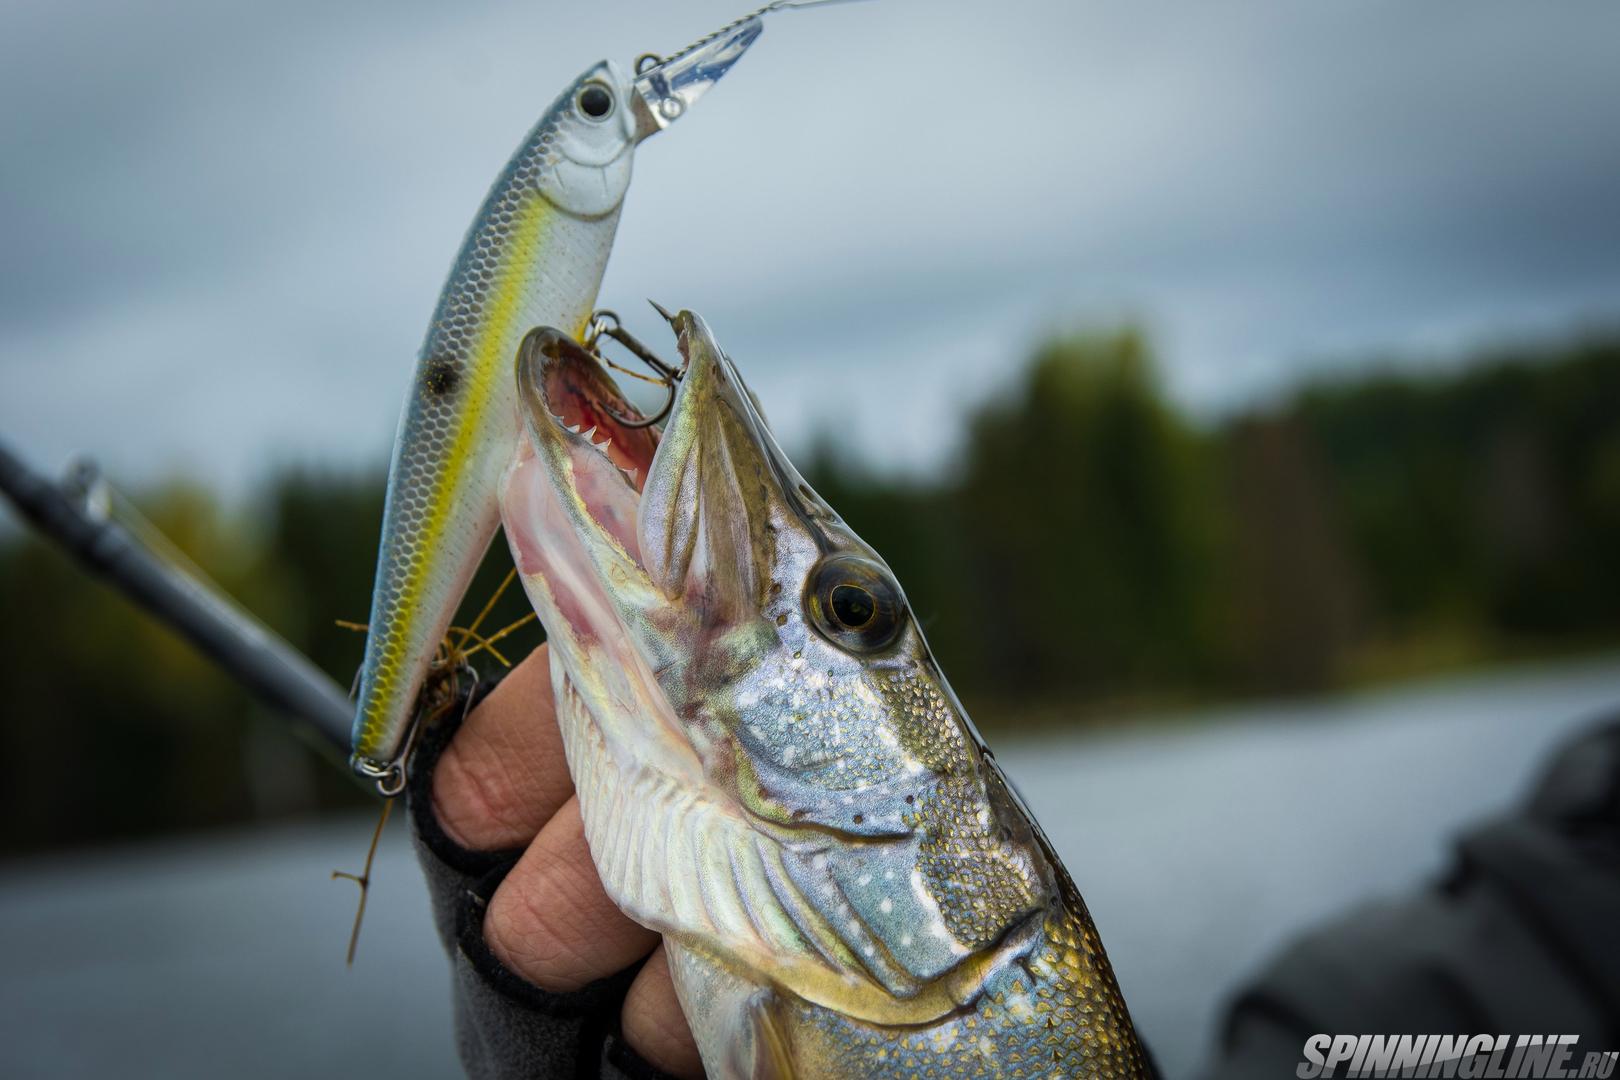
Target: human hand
[503,783]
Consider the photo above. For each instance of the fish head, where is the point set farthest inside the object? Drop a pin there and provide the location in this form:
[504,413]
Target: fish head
[701,557]
[765,576]
[773,770]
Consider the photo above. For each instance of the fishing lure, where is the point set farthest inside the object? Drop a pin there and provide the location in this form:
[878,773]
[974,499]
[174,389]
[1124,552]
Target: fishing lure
[535,255]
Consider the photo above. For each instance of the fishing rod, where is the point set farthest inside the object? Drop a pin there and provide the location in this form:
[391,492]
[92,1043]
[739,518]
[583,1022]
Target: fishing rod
[84,516]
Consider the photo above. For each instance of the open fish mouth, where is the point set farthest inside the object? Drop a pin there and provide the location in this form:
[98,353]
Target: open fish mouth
[588,433]
[570,503]
[675,526]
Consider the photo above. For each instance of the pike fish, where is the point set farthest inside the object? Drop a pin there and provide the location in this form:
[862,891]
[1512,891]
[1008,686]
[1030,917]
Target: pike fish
[772,770]
[535,254]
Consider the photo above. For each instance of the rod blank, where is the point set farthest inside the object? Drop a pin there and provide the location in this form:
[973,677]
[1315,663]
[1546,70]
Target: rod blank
[221,629]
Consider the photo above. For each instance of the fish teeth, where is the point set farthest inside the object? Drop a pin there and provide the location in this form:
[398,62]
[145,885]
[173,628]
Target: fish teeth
[589,433]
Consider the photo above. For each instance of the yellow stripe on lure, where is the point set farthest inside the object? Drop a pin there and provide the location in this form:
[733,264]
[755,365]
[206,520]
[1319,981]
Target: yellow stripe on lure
[533,257]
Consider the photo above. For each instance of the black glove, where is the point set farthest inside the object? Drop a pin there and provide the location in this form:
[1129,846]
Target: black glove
[506,1027]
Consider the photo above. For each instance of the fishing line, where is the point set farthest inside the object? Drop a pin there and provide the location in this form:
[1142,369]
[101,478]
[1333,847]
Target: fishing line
[648,61]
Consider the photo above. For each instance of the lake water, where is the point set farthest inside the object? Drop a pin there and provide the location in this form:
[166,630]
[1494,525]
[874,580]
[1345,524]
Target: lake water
[1200,846]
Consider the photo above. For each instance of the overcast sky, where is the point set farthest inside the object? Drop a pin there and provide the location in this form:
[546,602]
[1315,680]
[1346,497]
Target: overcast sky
[223,227]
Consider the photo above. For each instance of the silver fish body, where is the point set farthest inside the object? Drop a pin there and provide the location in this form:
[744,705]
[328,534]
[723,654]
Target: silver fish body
[772,770]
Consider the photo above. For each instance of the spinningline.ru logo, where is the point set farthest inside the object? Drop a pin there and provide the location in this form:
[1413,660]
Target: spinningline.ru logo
[1472,1057]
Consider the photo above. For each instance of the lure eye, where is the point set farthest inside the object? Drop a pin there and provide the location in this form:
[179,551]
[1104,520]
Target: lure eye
[854,603]
[594,101]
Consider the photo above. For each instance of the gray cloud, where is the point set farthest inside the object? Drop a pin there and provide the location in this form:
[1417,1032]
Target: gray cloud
[224,228]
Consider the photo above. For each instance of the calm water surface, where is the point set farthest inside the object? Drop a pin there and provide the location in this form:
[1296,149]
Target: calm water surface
[1200,846]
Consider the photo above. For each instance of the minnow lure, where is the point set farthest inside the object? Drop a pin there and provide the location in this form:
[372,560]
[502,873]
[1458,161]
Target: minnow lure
[535,255]
[772,770]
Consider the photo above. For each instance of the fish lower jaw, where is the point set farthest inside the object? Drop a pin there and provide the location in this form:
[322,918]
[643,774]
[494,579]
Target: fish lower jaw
[652,828]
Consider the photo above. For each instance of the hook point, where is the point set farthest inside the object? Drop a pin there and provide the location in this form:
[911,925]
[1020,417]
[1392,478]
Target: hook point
[662,311]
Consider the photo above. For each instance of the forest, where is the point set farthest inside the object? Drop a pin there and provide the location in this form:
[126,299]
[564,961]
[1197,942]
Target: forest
[1091,554]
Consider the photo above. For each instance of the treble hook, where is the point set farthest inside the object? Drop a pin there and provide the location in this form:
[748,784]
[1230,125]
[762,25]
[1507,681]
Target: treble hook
[606,322]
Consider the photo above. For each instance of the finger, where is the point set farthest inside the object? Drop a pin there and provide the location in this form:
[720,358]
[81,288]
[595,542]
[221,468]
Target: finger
[654,1025]
[504,774]
[551,922]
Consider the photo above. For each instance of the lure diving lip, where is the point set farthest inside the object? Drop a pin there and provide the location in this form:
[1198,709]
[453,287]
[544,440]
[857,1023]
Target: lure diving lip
[534,255]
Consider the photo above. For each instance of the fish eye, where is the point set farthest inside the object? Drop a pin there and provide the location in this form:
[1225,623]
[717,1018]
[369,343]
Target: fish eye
[594,101]
[854,603]
[853,606]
